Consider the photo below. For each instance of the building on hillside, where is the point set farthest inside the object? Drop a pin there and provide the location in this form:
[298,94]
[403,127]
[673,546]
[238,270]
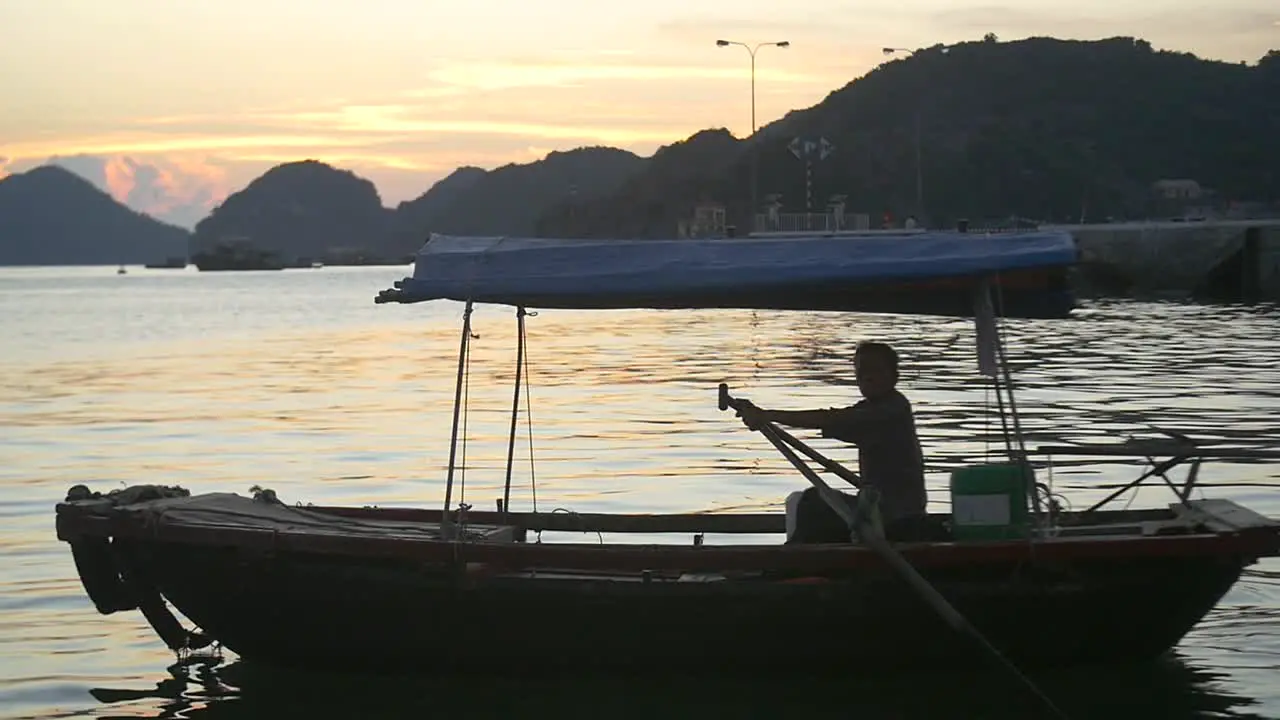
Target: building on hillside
[708,221]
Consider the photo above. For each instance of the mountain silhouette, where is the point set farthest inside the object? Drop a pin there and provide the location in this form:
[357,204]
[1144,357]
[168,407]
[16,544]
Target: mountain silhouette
[298,210]
[1053,130]
[51,216]
[1042,129]
[511,199]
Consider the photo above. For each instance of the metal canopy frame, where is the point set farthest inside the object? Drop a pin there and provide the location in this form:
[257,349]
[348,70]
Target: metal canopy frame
[1162,456]
[1175,454]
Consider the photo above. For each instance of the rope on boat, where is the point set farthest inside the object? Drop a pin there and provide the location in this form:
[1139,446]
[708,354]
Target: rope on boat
[985,311]
[522,374]
[991,310]
[515,409]
[528,411]
[446,524]
[574,514]
[1013,404]
[466,415]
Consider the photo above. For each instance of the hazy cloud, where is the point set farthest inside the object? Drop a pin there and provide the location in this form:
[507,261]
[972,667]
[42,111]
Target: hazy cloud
[174,190]
[703,31]
[503,75]
[399,120]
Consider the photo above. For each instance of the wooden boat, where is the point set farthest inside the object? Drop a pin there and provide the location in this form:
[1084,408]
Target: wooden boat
[236,254]
[452,587]
[173,262]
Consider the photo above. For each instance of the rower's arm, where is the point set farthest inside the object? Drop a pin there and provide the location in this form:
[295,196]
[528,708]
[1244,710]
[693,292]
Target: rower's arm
[814,419]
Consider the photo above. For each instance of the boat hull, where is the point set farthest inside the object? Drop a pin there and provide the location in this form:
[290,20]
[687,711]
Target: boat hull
[390,589]
[306,610]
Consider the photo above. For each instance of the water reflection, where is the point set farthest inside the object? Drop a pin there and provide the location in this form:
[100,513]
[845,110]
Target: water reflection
[1170,689]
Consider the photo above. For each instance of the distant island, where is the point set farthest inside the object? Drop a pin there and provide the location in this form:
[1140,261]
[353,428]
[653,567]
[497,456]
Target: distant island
[1033,131]
[51,216]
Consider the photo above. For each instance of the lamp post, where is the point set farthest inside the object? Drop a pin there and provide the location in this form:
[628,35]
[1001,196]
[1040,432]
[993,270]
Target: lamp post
[751,50]
[919,169]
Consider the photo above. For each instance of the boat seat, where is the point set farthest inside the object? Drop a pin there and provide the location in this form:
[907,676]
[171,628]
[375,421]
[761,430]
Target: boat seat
[793,508]
[810,520]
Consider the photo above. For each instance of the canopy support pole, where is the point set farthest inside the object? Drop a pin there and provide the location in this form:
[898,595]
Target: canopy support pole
[994,361]
[515,409]
[446,524]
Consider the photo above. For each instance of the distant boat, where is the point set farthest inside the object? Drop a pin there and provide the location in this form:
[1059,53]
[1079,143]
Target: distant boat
[237,256]
[121,271]
[170,263]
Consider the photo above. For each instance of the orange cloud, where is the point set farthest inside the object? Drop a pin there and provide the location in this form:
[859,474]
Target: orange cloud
[176,189]
[163,186]
[119,177]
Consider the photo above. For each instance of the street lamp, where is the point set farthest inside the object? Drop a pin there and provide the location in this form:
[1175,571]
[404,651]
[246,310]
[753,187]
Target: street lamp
[751,50]
[919,171]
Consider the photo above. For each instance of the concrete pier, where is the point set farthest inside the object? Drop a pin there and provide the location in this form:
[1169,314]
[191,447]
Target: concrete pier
[1212,260]
[1206,260]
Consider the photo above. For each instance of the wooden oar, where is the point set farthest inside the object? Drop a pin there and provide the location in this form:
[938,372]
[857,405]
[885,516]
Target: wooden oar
[840,471]
[861,531]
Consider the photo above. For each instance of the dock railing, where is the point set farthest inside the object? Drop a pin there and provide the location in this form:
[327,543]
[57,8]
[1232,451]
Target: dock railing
[810,222]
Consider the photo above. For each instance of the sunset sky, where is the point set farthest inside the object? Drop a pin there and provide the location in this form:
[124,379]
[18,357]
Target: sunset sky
[172,104]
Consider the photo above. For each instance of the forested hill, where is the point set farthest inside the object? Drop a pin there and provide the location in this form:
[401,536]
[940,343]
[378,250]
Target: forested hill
[1048,129]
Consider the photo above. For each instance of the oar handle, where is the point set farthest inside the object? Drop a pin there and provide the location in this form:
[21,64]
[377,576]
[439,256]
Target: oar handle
[726,400]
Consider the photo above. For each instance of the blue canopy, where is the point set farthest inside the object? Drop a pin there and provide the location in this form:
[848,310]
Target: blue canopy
[931,273]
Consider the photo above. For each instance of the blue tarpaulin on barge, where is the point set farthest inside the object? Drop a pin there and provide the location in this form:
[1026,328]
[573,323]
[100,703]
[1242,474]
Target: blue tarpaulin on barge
[814,273]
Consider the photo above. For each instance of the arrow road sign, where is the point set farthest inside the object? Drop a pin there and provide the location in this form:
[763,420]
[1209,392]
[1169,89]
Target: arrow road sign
[805,149]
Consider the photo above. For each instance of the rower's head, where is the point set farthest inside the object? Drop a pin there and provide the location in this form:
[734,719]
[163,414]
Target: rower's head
[876,367]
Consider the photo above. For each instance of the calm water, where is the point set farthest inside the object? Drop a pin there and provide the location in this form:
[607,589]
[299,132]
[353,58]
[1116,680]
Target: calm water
[296,381]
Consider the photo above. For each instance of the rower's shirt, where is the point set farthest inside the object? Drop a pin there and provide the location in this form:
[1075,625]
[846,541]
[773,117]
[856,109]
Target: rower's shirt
[889,454]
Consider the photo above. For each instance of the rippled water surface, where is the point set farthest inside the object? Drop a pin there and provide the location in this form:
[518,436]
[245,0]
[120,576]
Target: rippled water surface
[296,381]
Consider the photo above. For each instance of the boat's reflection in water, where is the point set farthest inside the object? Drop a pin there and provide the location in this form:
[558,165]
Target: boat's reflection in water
[1168,689]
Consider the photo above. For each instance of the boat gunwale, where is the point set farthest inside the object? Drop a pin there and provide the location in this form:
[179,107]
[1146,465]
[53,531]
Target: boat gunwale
[1252,543]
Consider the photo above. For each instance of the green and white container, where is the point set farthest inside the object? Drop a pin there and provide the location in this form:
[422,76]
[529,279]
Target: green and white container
[989,502]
